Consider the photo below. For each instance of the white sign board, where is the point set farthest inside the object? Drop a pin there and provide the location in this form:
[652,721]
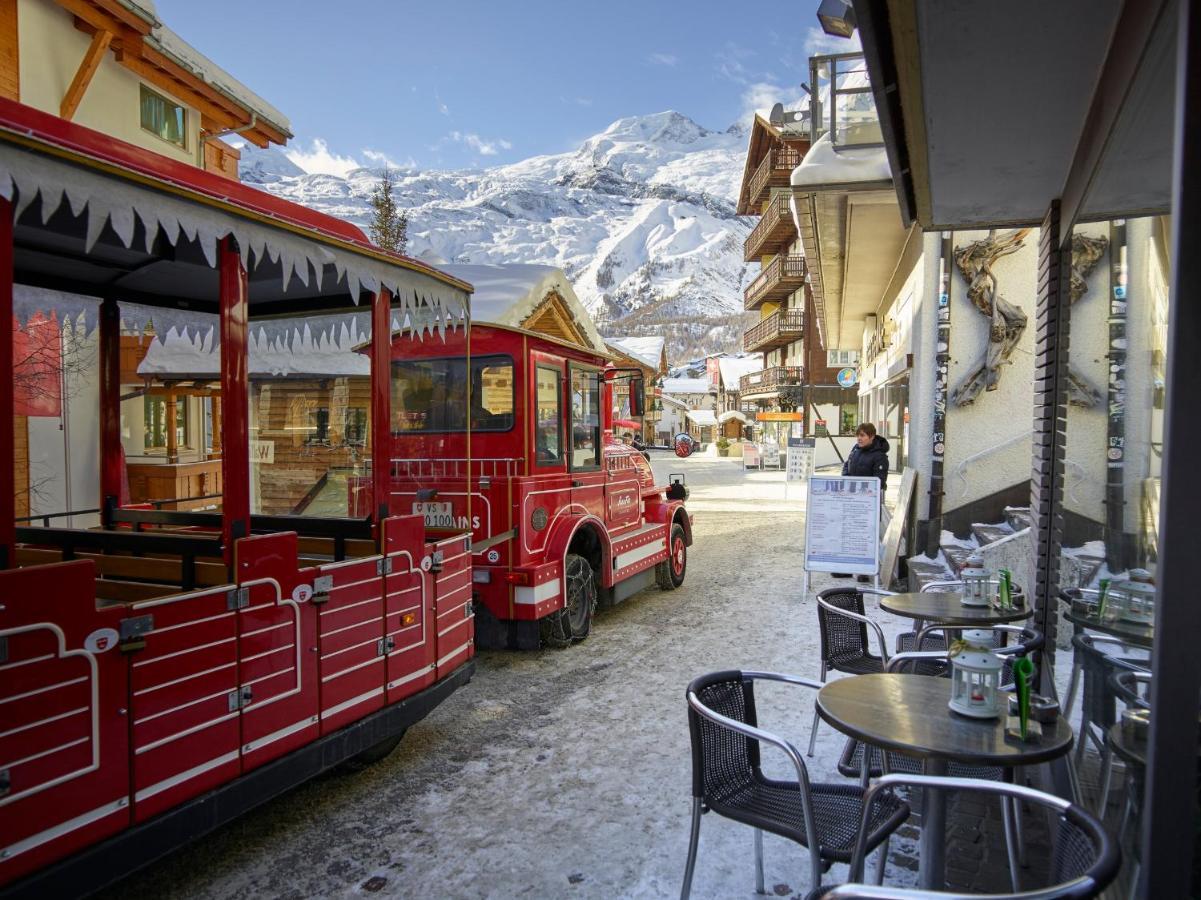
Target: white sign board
[771,454]
[262,452]
[801,452]
[751,459]
[842,525]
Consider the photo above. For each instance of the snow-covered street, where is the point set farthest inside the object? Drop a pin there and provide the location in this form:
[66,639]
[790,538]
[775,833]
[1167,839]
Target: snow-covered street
[564,774]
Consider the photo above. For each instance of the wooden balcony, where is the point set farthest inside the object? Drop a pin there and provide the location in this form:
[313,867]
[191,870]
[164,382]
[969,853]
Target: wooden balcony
[774,230]
[769,381]
[779,278]
[776,330]
[774,171]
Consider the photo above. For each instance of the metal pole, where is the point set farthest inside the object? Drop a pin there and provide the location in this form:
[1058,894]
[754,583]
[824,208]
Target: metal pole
[381,402]
[110,411]
[8,475]
[1169,838]
[942,363]
[1116,544]
[235,387]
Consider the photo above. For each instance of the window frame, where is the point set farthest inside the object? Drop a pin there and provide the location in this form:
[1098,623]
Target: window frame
[182,144]
[562,458]
[598,438]
[487,359]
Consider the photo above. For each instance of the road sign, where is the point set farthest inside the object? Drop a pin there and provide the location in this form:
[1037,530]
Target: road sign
[848,377]
[842,525]
[801,453]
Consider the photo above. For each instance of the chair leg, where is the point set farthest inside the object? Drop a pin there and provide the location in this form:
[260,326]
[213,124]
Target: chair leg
[1007,813]
[1073,686]
[1106,778]
[759,889]
[1082,739]
[693,841]
[881,861]
[813,732]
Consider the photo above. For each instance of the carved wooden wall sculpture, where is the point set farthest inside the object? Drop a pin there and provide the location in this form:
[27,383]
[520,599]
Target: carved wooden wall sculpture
[1086,253]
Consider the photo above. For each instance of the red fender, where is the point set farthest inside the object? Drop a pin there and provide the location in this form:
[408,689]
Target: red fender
[566,530]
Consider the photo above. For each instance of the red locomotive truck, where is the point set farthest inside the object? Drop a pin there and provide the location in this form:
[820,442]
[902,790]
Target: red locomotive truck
[163,671]
[561,515]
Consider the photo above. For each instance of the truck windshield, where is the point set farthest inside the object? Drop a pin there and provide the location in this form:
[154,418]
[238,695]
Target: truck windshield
[430,395]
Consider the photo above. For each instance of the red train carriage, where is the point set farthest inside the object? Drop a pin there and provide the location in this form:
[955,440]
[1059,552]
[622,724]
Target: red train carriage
[162,671]
[562,516]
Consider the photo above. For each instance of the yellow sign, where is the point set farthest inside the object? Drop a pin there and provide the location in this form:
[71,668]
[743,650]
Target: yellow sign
[777,417]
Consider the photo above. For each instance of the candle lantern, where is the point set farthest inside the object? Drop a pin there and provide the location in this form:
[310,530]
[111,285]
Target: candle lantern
[1141,592]
[975,680]
[977,583]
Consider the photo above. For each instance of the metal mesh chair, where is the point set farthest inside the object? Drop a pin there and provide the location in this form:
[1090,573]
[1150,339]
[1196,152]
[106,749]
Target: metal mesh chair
[843,626]
[1084,859]
[727,779]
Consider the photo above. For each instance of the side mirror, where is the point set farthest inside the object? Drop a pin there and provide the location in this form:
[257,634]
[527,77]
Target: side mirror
[637,397]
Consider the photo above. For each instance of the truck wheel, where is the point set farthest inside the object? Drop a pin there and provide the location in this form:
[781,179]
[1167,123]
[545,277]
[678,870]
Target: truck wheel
[371,755]
[669,574]
[573,622]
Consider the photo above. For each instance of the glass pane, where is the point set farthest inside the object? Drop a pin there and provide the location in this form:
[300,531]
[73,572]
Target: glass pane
[430,395]
[548,431]
[585,419]
[162,117]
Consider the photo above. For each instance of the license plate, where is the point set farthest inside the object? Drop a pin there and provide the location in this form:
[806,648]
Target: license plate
[437,515]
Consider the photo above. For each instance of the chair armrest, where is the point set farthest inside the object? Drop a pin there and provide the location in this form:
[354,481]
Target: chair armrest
[945,627]
[899,660]
[858,618]
[935,585]
[876,590]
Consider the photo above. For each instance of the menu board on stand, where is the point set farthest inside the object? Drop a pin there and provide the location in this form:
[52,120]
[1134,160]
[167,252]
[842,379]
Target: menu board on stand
[751,457]
[771,454]
[842,526]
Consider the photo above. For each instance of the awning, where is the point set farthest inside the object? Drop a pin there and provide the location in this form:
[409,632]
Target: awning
[702,417]
[86,205]
[732,414]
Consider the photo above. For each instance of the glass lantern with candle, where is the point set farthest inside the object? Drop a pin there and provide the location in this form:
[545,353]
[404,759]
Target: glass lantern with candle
[975,681]
[977,583]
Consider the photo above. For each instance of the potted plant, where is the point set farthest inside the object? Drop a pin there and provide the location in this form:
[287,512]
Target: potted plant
[723,447]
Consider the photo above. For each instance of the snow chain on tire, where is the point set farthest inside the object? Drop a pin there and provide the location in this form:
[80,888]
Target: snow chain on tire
[556,629]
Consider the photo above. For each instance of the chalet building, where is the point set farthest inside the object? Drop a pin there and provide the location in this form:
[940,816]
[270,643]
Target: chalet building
[796,389]
[699,397]
[649,355]
[115,67]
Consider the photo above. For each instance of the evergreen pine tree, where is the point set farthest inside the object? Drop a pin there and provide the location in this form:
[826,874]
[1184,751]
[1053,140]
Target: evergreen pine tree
[389,223]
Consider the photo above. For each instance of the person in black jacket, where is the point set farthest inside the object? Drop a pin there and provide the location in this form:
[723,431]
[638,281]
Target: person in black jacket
[869,456]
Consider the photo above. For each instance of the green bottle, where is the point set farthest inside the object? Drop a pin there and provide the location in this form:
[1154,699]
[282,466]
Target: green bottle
[1102,597]
[1006,602]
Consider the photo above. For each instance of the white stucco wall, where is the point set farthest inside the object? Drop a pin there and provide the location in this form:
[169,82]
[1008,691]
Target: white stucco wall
[988,442]
[51,48]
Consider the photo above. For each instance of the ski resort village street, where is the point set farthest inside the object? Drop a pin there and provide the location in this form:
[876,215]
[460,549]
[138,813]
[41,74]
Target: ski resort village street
[565,773]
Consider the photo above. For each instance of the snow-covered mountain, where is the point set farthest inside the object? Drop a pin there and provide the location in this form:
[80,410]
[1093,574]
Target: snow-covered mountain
[641,218]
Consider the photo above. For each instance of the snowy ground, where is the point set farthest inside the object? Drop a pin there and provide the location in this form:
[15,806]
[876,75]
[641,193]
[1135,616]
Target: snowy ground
[565,774]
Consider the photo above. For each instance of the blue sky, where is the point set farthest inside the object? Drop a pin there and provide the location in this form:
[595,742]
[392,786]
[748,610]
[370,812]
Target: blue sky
[460,83]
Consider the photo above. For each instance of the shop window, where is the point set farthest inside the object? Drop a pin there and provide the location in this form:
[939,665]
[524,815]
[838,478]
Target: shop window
[356,426]
[318,426]
[155,422]
[164,118]
[548,430]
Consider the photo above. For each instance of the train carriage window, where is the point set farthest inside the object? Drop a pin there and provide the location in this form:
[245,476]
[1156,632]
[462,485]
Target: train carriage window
[430,395]
[548,429]
[585,418]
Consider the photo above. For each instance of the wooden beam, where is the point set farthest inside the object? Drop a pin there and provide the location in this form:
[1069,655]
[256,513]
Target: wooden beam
[10,55]
[106,14]
[83,75]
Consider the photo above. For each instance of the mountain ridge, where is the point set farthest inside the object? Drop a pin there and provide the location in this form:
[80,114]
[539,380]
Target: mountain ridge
[641,217]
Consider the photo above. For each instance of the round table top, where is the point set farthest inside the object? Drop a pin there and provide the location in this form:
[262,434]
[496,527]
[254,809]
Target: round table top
[948,607]
[1130,632]
[1128,751]
[909,714]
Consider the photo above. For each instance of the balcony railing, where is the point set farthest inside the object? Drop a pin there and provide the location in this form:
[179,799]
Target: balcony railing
[773,231]
[842,103]
[776,330]
[779,278]
[770,380]
[774,171]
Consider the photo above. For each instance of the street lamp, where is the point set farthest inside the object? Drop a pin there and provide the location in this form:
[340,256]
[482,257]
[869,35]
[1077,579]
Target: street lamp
[837,18]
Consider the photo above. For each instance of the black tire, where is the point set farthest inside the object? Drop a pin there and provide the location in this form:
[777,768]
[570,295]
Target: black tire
[372,755]
[573,622]
[670,573]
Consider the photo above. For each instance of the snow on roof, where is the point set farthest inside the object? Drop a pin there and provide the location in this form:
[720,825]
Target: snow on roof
[702,417]
[825,167]
[647,350]
[509,294]
[734,367]
[672,401]
[686,386]
[172,45]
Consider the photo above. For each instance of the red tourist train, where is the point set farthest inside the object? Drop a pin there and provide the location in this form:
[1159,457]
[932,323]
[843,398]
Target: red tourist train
[164,670]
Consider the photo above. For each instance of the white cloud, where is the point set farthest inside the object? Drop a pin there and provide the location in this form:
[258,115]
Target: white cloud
[663,59]
[765,94]
[480,145]
[380,159]
[442,107]
[319,159]
[818,43]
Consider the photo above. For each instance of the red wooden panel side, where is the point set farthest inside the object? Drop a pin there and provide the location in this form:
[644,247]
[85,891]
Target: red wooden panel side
[455,624]
[63,738]
[350,631]
[408,609]
[186,729]
[276,641]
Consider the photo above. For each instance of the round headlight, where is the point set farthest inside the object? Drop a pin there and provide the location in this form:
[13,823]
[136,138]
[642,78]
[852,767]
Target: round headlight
[539,519]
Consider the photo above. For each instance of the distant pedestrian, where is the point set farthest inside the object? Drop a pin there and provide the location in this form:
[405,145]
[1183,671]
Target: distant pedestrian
[869,456]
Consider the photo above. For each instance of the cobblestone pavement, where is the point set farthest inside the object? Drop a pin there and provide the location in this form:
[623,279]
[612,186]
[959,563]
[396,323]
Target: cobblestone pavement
[567,774]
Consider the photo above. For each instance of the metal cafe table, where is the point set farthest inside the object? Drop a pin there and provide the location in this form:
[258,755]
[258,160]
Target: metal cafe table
[1136,634]
[908,714]
[949,608]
